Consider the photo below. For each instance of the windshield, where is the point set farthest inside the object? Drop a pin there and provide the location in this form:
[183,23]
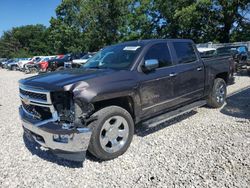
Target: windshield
[114,57]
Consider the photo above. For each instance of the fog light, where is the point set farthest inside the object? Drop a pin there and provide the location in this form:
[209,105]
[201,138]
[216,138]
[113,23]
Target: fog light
[61,138]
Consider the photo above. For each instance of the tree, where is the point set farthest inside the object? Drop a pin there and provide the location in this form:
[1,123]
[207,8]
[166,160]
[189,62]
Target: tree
[202,21]
[103,22]
[229,13]
[64,32]
[24,41]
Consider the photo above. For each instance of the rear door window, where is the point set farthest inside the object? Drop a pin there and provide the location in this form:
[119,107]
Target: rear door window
[185,52]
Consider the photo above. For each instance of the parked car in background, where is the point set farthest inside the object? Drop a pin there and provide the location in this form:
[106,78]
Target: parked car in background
[33,66]
[43,66]
[239,54]
[83,59]
[205,52]
[2,60]
[14,64]
[4,63]
[95,107]
[22,62]
[248,63]
[58,63]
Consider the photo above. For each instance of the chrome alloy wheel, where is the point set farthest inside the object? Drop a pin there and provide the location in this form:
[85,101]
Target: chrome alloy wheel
[220,93]
[114,134]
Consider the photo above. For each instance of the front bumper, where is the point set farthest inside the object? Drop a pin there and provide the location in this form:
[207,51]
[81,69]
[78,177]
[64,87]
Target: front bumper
[51,135]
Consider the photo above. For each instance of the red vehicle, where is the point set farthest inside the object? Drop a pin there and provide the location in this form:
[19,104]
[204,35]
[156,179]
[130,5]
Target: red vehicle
[43,65]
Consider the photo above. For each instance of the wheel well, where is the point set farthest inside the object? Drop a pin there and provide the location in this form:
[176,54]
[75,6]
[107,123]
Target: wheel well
[123,102]
[223,76]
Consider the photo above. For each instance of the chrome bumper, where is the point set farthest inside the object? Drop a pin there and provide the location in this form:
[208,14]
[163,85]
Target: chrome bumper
[51,135]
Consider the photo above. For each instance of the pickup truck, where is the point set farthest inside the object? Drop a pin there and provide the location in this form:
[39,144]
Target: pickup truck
[95,107]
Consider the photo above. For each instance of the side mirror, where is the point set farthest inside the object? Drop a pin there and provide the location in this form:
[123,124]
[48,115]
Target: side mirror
[151,64]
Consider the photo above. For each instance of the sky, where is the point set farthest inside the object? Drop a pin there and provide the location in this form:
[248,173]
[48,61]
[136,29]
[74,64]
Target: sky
[23,12]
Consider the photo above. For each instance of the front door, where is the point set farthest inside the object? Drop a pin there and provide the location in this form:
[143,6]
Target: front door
[156,87]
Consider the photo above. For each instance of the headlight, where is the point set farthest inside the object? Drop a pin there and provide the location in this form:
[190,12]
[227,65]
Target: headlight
[63,103]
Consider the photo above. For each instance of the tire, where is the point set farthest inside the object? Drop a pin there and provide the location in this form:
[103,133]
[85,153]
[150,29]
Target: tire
[218,93]
[27,71]
[248,71]
[33,70]
[104,131]
[14,68]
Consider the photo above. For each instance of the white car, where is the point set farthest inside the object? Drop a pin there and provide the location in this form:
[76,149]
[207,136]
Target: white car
[206,49]
[207,52]
[22,62]
[83,59]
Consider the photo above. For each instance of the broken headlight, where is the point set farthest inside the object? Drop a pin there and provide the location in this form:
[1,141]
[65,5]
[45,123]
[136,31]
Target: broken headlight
[63,103]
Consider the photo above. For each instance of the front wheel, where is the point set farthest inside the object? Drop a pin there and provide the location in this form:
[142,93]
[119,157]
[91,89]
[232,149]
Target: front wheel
[218,93]
[112,132]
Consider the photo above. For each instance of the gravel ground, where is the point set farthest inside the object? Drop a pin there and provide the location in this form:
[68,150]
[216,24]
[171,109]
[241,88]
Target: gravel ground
[204,148]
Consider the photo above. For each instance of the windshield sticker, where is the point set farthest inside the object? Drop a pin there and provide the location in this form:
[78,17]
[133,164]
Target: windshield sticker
[131,48]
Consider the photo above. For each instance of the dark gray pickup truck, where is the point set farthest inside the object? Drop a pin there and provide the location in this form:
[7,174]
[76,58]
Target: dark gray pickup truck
[95,107]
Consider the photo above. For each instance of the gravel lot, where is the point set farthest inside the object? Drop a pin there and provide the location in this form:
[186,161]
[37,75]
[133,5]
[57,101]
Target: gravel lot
[204,148]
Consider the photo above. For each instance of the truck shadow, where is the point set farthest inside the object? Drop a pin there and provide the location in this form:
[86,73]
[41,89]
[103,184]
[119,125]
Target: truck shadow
[48,155]
[243,73]
[143,130]
[238,105]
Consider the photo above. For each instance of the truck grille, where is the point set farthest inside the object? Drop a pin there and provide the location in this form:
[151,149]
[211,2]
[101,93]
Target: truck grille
[37,103]
[39,112]
[33,95]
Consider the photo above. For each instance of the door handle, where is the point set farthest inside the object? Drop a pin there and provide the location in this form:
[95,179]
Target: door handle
[199,69]
[173,74]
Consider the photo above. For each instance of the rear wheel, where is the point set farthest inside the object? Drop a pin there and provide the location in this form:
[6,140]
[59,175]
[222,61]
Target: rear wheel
[248,71]
[112,132]
[218,93]
[14,68]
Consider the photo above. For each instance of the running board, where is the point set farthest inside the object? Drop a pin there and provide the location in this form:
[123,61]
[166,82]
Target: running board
[172,114]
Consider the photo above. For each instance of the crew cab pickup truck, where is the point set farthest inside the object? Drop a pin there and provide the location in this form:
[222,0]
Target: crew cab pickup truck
[95,107]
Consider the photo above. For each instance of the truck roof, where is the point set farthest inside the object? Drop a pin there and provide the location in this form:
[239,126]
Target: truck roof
[147,41]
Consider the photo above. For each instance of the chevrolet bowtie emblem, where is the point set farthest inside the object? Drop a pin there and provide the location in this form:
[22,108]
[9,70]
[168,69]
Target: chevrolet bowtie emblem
[26,100]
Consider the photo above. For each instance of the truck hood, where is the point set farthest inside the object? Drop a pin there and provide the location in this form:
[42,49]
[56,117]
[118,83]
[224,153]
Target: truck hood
[57,80]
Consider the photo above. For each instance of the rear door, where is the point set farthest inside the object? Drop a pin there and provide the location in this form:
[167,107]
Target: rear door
[190,73]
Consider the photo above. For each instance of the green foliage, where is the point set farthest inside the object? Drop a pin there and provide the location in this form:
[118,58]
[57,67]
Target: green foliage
[88,25]
[64,32]
[24,41]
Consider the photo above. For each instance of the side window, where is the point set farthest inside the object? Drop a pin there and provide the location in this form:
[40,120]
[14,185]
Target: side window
[161,53]
[185,52]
